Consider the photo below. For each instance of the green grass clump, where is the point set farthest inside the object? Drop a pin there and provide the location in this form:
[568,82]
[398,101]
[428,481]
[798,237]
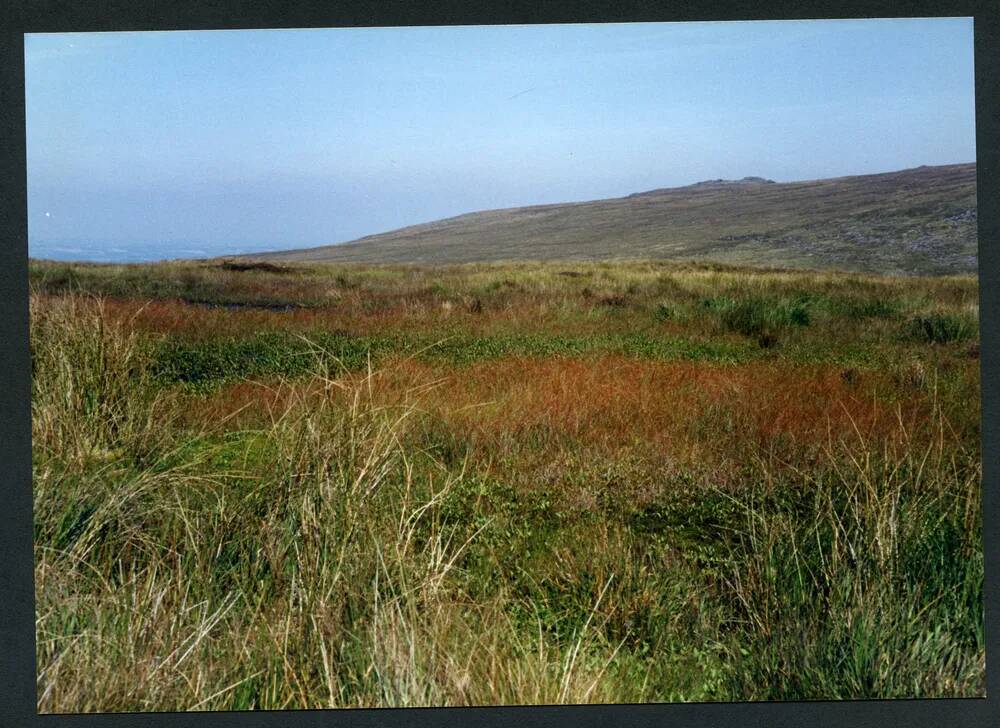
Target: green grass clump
[941,328]
[664,312]
[756,316]
[863,308]
[267,353]
[677,312]
[835,571]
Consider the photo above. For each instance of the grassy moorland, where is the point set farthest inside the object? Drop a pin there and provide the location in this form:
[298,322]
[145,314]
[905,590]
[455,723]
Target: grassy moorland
[268,487]
[918,221]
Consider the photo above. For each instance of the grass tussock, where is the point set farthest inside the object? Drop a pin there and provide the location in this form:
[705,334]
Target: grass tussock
[304,517]
[943,328]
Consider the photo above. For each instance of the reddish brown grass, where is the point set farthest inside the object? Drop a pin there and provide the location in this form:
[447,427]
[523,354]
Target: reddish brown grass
[691,410]
[350,313]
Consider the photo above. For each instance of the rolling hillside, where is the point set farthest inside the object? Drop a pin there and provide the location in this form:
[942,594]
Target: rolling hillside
[916,221]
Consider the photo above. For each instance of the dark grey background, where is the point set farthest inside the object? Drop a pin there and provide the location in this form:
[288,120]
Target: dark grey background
[17,651]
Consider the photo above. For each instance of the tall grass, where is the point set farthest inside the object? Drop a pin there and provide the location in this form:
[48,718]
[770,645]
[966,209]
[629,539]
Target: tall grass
[940,328]
[348,550]
[85,370]
[319,574]
[869,581]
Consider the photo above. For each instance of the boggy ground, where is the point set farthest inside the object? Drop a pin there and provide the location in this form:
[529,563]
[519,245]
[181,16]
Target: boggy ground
[273,487]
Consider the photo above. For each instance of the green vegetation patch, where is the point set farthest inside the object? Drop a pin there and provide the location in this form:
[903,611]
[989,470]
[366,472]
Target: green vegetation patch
[466,350]
[758,315]
[266,353]
[861,309]
[287,354]
[281,353]
[942,328]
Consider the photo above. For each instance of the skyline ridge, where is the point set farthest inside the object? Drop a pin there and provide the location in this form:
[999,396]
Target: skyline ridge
[921,219]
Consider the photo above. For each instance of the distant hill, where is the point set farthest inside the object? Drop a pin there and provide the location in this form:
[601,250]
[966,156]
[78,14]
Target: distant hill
[916,221]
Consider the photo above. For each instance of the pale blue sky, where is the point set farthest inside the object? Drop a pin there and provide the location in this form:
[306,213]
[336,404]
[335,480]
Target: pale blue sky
[176,144]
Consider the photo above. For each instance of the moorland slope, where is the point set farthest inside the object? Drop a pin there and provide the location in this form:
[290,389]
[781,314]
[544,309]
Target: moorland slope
[918,221]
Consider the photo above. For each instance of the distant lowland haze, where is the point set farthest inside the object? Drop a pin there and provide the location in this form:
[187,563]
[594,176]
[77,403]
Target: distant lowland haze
[153,145]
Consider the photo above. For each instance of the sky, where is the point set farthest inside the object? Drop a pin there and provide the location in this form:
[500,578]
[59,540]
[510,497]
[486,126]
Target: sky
[152,145]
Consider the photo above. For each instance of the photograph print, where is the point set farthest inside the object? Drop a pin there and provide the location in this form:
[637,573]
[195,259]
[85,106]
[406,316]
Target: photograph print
[504,365]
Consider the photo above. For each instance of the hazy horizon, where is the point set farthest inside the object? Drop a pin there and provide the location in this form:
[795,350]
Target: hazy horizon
[143,146]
